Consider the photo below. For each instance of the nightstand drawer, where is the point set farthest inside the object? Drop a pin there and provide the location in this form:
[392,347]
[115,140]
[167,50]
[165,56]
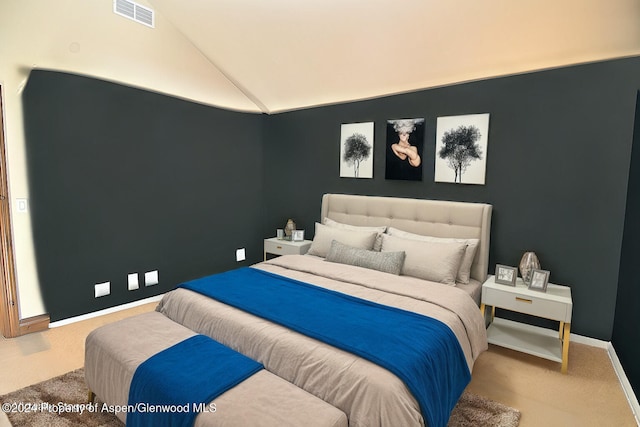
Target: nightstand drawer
[280,249]
[526,303]
[286,247]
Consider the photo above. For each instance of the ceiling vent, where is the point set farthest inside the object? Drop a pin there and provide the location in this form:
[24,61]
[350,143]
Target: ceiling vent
[133,10]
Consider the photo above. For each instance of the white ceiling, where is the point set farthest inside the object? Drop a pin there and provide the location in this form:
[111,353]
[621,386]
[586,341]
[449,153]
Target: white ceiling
[279,55]
[287,54]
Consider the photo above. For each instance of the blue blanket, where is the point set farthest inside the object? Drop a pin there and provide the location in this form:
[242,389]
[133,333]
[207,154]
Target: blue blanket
[422,351]
[173,386]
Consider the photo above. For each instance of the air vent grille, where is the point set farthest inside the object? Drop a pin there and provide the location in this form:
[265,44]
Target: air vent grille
[134,11]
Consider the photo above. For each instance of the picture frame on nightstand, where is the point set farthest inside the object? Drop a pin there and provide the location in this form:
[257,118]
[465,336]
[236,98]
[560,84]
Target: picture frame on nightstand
[539,280]
[506,275]
[297,235]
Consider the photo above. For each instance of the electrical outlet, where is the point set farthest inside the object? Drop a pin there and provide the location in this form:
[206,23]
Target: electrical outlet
[240,255]
[151,278]
[132,281]
[102,289]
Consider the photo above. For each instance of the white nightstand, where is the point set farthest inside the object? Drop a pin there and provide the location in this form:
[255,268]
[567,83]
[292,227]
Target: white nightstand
[285,247]
[555,304]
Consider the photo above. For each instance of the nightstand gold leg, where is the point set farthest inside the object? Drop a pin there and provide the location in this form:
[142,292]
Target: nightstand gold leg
[493,312]
[565,347]
[561,330]
[482,309]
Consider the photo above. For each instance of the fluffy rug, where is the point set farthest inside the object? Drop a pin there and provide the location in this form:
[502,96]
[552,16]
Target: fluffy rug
[474,411]
[60,402]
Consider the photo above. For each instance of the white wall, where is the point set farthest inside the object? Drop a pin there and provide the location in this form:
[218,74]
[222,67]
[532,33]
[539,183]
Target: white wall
[86,37]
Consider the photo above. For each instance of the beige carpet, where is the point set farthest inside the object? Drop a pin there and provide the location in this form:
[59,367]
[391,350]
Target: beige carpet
[67,394]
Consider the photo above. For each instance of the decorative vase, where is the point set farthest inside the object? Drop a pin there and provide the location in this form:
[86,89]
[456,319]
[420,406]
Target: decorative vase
[289,227]
[528,263]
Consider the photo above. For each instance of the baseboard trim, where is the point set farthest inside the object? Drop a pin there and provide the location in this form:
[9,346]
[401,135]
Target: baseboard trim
[34,324]
[593,342]
[624,382]
[105,311]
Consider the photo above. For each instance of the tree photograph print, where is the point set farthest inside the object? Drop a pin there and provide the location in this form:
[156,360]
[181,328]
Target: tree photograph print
[461,149]
[356,150]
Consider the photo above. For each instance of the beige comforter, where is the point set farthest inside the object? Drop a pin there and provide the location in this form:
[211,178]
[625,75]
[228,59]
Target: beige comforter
[368,394]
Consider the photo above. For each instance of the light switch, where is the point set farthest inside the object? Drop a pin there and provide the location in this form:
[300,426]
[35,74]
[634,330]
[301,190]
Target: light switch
[22,205]
[132,280]
[151,278]
[240,255]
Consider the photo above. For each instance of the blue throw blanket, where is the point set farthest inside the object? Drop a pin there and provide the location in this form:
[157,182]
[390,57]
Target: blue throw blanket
[173,386]
[422,351]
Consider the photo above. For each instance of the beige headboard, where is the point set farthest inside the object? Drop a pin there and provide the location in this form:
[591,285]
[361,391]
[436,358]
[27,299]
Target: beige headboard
[426,217]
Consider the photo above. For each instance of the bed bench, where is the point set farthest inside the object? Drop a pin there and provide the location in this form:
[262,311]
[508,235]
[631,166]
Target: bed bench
[114,351]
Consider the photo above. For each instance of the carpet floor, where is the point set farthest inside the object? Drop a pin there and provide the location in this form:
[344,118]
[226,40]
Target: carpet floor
[61,402]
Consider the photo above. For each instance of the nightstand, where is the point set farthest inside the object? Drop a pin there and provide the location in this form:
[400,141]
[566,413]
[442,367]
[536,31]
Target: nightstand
[285,247]
[555,304]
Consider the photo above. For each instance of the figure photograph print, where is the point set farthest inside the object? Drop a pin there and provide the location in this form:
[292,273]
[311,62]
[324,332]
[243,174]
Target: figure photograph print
[356,150]
[461,149]
[405,140]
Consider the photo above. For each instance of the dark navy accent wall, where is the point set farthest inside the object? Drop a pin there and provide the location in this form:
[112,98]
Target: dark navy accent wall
[123,180]
[557,169]
[626,330]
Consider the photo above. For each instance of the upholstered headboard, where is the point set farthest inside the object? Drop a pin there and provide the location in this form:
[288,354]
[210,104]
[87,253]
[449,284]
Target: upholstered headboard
[427,217]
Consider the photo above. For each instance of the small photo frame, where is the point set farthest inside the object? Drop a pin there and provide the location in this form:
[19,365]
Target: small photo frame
[297,235]
[506,275]
[539,280]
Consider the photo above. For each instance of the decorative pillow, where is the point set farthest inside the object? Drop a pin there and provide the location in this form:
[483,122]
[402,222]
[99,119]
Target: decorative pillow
[464,273]
[433,261]
[389,262]
[381,229]
[324,235]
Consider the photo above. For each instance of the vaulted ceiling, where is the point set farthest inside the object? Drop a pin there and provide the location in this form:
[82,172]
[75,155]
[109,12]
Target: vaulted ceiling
[278,55]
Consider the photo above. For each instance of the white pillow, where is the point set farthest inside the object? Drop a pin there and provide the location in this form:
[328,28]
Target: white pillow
[433,261]
[380,229]
[324,235]
[464,273]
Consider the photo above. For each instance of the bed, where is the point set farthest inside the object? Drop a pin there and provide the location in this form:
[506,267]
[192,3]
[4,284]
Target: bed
[421,259]
[344,258]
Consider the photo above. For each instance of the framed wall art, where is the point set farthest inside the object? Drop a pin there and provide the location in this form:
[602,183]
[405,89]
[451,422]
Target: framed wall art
[404,158]
[356,150]
[461,149]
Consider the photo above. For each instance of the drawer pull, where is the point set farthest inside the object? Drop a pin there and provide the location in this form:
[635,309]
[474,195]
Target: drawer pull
[278,247]
[528,301]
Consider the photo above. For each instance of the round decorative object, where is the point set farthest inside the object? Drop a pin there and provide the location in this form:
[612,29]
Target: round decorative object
[528,263]
[289,227]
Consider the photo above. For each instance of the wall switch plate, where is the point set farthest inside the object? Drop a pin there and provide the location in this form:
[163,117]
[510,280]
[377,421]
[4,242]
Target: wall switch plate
[240,255]
[151,278]
[132,281]
[102,289]
[22,205]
